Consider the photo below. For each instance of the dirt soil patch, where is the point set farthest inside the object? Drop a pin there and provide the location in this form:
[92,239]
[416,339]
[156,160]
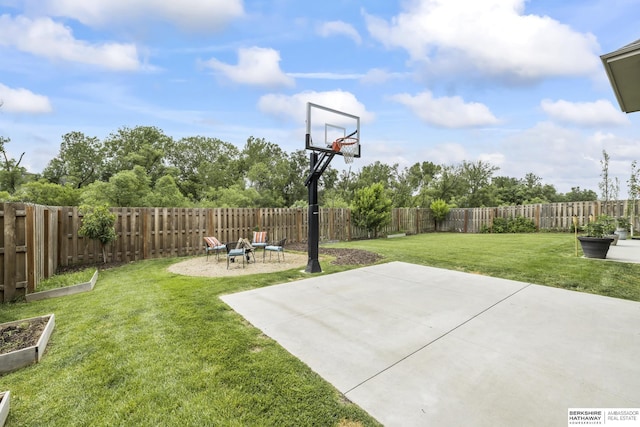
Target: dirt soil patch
[24,334]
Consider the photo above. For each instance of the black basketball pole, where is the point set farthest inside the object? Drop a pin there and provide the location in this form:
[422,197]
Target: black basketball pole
[317,166]
[313,265]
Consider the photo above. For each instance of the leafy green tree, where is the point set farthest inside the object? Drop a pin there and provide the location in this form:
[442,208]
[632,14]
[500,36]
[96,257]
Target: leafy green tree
[96,193]
[144,146]
[11,173]
[331,199]
[447,184]
[234,196]
[43,192]
[420,177]
[297,171]
[166,194]
[268,171]
[126,188]
[609,187]
[578,195]
[377,173]
[79,161]
[129,187]
[346,185]
[508,191]
[476,177]
[372,208]
[98,224]
[203,162]
[440,209]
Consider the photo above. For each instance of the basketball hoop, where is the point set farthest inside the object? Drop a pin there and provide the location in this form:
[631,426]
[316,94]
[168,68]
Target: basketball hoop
[348,146]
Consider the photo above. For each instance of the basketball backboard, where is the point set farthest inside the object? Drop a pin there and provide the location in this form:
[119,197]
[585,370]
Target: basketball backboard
[326,125]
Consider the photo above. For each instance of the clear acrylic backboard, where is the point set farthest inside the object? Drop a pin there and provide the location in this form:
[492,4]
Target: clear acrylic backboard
[326,125]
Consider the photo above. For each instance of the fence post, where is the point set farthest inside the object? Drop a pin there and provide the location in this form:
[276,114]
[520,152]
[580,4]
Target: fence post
[30,241]
[9,289]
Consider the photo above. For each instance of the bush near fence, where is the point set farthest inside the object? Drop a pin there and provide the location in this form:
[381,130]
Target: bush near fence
[39,239]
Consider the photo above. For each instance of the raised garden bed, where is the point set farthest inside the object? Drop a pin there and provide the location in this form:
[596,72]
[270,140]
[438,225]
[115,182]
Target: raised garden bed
[5,398]
[67,290]
[391,236]
[36,327]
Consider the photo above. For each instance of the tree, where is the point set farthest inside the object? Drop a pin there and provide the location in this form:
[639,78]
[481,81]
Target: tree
[201,163]
[297,170]
[476,177]
[166,194]
[98,224]
[11,174]
[372,208]
[268,171]
[447,184]
[43,192]
[129,187]
[126,188]
[420,177]
[578,195]
[96,193]
[377,173]
[609,187]
[79,162]
[634,192]
[144,146]
[439,209]
[234,196]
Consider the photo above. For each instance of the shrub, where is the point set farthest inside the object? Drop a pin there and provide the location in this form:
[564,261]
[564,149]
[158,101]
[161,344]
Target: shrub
[518,224]
[372,208]
[439,209]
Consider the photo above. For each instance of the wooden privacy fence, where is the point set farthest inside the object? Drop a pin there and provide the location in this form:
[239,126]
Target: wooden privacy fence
[28,247]
[39,239]
[546,217]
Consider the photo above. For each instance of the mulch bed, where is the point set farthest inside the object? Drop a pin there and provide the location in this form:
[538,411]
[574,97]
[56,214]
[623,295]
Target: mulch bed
[343,256]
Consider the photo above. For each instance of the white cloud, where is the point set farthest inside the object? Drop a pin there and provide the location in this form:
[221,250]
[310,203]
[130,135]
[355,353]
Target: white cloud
[493,36]
[333,28]
[294,107]
[446,154]
[44,37]
[449,112]
[256,66]
[325,76]
[21,100]
[377,76]
[209,15]
[495,159]
[597,113]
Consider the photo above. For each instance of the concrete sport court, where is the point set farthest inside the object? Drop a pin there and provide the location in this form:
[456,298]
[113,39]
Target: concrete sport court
[421,346]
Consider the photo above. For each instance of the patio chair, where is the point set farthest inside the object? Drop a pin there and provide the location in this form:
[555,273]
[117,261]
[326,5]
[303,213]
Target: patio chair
[259,239]
[233,251]
[213,244]
[277,247]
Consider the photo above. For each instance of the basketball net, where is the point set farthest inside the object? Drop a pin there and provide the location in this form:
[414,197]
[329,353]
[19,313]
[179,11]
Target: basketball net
[348,146]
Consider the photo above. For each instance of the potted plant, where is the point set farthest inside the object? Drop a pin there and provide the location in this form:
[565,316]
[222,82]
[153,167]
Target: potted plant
[623,226]
[597,239]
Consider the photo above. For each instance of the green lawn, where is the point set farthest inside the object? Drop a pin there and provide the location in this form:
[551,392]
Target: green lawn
[541,258]
[148,347]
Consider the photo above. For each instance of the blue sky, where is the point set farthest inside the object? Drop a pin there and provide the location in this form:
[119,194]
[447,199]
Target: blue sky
[518,84]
